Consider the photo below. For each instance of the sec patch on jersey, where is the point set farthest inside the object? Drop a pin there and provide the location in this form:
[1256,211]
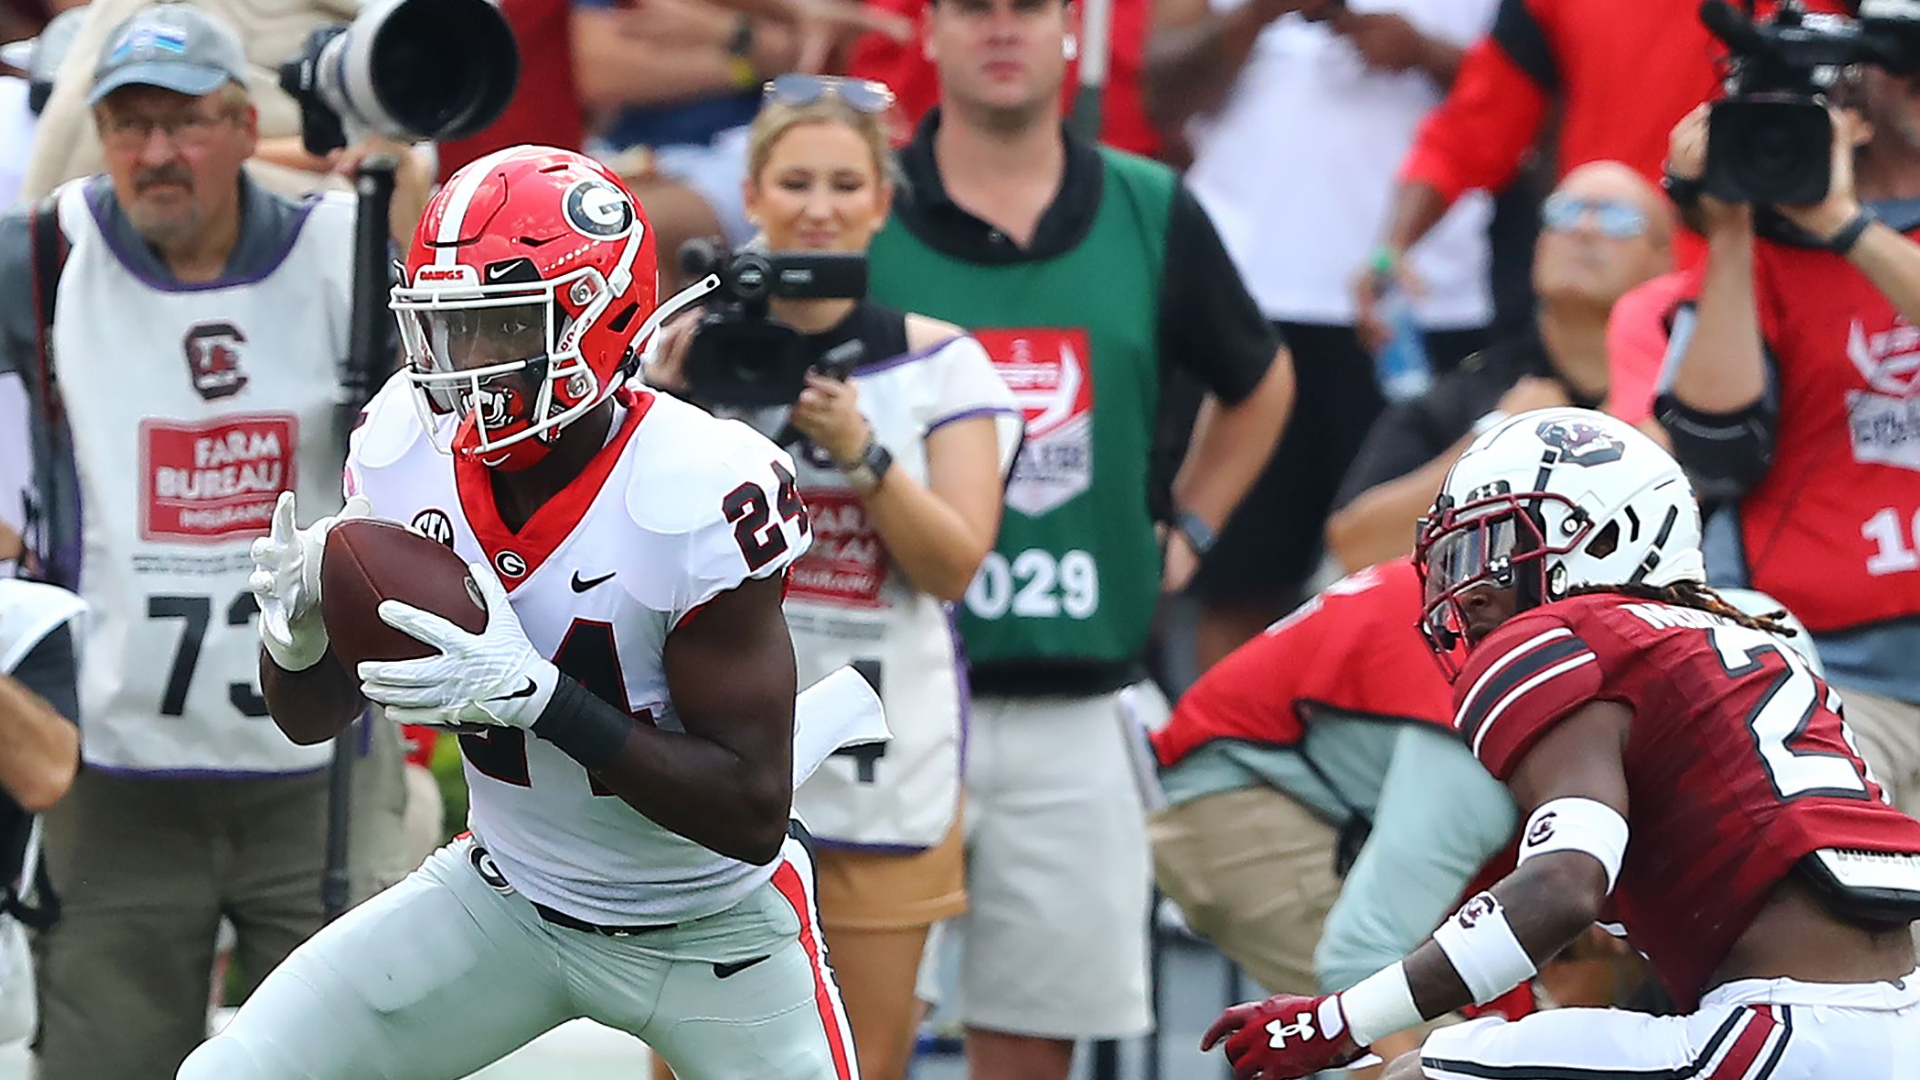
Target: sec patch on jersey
[368,561]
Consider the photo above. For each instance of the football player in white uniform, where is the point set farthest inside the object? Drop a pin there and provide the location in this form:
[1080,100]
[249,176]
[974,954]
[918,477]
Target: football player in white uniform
[627,712]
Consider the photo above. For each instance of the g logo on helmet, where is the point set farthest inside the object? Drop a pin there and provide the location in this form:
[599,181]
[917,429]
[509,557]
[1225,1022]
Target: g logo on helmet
[1580,443]
[597,209]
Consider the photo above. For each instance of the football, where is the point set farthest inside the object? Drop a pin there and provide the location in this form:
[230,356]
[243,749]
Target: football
[367,561]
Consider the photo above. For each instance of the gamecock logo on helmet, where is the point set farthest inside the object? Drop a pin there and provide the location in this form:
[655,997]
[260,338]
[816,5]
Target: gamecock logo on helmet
[213,359]
[1581,443]
[598,209]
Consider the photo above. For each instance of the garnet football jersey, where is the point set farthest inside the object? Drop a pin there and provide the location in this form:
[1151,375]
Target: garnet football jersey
[675,509]
[1737,765]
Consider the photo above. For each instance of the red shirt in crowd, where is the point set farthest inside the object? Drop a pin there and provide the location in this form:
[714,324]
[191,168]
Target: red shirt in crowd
[1622,73]
[1355,649]
[1123,112]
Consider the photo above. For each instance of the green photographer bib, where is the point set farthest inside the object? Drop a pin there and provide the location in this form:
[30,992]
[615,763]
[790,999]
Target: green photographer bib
[1075,574]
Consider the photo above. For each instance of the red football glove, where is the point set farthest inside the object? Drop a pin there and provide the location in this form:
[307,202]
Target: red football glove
[1284,1037]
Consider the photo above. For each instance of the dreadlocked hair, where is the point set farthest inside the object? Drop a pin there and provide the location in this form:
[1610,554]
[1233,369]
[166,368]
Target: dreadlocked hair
[1692,594]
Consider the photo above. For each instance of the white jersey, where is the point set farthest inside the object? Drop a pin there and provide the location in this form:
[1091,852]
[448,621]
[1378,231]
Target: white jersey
[192,407]
[848,603]
[677,508]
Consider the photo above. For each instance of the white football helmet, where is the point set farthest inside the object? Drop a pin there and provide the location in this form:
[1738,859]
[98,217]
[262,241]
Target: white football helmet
[1549,500]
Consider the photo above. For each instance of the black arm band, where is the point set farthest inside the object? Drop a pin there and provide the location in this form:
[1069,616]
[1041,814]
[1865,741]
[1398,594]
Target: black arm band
[1726,454]
[585,728]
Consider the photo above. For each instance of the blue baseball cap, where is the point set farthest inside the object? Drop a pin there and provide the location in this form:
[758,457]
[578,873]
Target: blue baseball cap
[173,46]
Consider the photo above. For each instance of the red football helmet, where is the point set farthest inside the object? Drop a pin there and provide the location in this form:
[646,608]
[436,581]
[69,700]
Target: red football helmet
[530,283]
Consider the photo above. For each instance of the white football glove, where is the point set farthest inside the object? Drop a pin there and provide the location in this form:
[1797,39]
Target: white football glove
[494,678]
[286,583]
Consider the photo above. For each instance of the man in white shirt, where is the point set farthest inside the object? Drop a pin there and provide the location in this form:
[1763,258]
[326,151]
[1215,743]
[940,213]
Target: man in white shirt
[1297,112]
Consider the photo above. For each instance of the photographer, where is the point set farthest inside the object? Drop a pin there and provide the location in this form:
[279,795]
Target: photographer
[901,471]
[180,331]
[1790,400]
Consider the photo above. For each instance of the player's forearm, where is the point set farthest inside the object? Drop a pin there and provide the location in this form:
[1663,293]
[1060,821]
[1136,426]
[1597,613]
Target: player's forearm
[1547,901]
[313,705]
[1722,369]
[686,784]
[42,748]
[1232,443]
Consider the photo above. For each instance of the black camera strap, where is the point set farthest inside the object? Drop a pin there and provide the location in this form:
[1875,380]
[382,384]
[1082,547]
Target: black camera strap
[46,527]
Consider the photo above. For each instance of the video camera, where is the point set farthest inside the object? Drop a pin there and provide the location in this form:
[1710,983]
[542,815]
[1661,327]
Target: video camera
[406,69]
[740,355]
[1770,140]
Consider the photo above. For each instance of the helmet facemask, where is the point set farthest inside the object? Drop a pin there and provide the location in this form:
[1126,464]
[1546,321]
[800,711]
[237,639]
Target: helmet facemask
[1500,542]
[499,367]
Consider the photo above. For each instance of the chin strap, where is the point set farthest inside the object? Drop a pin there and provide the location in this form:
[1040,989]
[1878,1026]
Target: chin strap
[673,305]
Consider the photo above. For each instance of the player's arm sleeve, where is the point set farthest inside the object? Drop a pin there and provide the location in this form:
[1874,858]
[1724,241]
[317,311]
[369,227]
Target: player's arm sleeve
[51,670]
[970,388]
[1481,132]
[1540,673]
[754,527]
[1440,818]
[1209,324]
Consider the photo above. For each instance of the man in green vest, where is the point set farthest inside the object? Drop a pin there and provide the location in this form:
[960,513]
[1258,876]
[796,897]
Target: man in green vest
[1089,275]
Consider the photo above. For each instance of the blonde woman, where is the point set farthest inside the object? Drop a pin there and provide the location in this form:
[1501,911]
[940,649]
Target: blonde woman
[902,468]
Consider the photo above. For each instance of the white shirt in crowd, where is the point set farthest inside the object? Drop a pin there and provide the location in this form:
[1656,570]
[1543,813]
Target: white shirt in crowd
[1297,168]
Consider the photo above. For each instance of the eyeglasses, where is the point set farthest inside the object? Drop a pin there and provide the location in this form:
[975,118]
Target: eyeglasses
[860,95]
[1616,220]
[190,130]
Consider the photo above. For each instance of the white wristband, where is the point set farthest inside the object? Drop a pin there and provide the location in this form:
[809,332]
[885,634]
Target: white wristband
[1380,1005]
[1482,948]
[1575,824]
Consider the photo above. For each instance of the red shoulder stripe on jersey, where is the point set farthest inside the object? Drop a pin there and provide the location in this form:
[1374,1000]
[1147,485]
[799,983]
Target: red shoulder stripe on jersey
[1520,667]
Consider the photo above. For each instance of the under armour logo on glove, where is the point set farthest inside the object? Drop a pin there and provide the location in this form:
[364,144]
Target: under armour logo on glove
[1280,1030]
[1284,1037]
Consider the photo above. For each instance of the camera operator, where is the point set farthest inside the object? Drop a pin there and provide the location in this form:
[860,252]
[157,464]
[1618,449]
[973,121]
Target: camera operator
[902,476]
[180,331]
[1791,399]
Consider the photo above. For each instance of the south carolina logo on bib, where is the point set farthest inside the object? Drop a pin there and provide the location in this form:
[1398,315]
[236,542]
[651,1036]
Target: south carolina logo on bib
[1050,371]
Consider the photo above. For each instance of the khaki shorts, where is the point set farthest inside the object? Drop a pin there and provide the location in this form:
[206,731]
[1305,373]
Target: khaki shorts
[1054,939]
[874,890]
[1252,870]
[1888,734]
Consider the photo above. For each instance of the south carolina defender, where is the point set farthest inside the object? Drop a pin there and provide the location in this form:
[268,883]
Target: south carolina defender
[627,714]
[1670,754]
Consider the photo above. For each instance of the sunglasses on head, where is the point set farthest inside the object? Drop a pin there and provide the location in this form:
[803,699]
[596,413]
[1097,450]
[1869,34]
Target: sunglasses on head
[860,95]
[1615,220]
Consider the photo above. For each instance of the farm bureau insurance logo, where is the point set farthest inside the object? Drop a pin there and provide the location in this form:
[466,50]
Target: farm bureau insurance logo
[847,564]
[1050,371]
[215,479]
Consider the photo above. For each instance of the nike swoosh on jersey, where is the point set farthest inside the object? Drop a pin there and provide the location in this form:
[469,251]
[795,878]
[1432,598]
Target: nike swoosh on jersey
[728,971]
[581,584]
